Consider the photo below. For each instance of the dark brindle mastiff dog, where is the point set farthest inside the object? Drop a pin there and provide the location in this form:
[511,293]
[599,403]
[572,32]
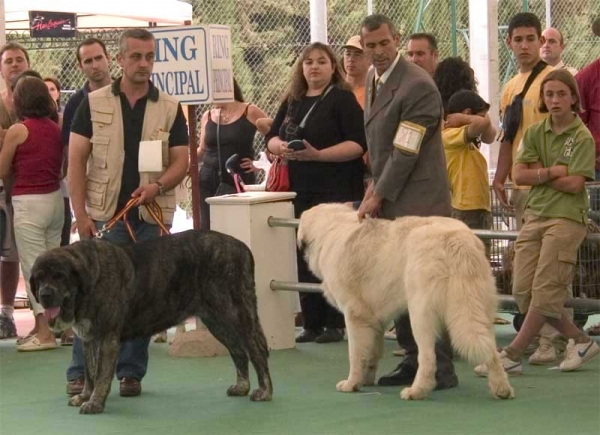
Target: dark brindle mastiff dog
[110,293]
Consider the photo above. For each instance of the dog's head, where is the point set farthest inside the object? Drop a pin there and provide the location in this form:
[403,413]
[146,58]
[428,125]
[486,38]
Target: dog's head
[317,223]
[58,278]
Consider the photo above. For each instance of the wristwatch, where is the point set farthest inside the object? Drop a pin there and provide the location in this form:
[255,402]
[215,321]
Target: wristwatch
[161,188]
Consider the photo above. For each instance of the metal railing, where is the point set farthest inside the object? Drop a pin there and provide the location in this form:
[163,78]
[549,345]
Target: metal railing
[482,234]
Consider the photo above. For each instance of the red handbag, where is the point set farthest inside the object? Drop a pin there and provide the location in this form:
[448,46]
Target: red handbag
[279,177]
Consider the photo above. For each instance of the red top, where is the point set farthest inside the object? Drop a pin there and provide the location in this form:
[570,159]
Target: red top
[37,162]
[588,80]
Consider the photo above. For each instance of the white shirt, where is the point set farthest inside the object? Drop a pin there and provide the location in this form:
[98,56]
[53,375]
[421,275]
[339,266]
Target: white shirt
[388,71]
[561,65]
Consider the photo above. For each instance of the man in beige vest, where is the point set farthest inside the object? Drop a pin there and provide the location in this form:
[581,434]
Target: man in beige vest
[13,61]
[108,129]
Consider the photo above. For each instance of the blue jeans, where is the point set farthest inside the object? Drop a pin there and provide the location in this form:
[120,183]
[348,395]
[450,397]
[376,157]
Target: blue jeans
[133,355]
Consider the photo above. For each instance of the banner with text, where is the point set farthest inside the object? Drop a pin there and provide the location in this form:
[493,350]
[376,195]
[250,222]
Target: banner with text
[193,63]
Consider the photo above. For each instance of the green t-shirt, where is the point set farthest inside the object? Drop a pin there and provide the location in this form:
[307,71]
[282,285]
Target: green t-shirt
[574,148]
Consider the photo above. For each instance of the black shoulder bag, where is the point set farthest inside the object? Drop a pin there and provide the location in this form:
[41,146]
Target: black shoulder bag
[514,111]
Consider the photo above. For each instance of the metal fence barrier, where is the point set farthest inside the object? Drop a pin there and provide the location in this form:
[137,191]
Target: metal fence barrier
[582,306]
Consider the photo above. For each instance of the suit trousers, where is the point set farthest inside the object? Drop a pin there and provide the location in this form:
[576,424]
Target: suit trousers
[317,312]
[443,348]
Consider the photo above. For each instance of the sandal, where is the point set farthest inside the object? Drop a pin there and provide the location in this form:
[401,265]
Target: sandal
[24,339]
[35,344]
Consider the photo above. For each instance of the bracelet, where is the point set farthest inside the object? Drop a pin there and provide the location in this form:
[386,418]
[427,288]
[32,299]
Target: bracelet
[538,175]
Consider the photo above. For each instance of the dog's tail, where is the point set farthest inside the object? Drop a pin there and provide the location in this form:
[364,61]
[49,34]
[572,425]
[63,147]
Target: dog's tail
[471,299]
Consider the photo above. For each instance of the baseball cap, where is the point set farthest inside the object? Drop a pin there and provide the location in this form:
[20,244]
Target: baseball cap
[353,42]
[463,100]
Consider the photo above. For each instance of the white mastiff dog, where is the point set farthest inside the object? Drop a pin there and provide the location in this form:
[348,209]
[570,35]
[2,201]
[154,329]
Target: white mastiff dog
[433,267]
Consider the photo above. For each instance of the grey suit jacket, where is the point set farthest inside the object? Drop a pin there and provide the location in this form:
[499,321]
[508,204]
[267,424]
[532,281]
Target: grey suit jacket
[411,184]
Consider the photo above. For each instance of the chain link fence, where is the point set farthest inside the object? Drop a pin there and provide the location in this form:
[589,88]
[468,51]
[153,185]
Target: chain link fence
[269,34]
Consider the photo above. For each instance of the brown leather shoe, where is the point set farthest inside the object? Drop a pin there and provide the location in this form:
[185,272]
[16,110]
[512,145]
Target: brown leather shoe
[75,387]
[130,387]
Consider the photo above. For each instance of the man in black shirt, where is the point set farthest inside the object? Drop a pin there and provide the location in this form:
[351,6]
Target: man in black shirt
[112,145]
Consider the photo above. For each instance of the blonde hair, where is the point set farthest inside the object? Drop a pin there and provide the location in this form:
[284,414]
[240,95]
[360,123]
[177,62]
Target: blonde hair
[298,85]
[563,76]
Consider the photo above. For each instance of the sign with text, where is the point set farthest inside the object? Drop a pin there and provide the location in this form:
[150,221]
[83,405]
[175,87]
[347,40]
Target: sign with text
[44,24]
[193,63]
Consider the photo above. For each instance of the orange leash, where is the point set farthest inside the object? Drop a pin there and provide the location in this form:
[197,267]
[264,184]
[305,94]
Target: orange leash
[153,209]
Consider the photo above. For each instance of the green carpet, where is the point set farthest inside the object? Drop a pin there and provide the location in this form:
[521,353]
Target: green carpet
[187,396]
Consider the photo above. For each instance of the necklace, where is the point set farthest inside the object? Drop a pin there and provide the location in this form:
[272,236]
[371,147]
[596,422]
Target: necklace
[224,115]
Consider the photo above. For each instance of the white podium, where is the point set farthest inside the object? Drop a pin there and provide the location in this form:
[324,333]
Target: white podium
[244,216]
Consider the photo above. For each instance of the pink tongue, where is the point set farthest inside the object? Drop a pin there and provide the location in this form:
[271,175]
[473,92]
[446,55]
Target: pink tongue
[51,313]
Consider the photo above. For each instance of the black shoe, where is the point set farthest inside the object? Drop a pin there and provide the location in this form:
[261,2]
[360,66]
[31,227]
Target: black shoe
[308,335]
[404,374]
[130,387]
[445,381]
[330,335]
[75,386]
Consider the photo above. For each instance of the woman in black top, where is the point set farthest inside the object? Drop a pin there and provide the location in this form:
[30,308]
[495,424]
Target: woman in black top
[329,169]
[238,125]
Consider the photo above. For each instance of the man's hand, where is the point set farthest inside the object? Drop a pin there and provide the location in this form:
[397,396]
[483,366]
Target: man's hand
[145,194]
[558,171]
[85,227]
[457,120]
[370,206]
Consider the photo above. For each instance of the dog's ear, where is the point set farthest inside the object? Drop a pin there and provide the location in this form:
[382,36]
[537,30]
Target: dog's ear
[33,288]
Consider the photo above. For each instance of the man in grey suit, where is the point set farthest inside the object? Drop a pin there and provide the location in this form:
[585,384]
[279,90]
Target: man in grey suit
[403,123]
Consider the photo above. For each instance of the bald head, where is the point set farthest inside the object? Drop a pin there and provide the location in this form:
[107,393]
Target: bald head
[553,46]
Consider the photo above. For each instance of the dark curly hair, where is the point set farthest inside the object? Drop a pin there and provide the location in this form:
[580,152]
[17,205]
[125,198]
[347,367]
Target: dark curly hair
[32,99]
[453,74]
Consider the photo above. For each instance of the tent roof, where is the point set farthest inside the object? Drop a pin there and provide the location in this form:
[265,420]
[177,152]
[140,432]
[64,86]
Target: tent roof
[102,13]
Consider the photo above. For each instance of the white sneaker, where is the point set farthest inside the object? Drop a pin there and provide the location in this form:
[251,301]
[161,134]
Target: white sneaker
[510,367]
[544,354]
[578,354]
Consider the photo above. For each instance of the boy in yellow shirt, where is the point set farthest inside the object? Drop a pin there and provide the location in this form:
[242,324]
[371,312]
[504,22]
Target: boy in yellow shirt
[467,125]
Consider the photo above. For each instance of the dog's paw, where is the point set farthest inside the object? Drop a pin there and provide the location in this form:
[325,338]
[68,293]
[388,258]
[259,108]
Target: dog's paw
[78,400]
[91,407]
[413,394]
[347,387]
[259,395]
[239,389]
[503,392]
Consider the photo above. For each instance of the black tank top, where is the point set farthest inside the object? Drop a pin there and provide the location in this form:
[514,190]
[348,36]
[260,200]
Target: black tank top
[235,138]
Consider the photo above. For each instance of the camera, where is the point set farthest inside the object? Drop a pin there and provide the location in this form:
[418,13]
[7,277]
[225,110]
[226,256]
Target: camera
[296,145]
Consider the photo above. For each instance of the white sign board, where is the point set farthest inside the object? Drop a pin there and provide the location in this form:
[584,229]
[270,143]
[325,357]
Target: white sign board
[193,63]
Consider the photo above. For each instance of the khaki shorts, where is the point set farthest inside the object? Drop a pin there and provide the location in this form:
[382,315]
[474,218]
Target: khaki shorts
[8,248]
[544,264]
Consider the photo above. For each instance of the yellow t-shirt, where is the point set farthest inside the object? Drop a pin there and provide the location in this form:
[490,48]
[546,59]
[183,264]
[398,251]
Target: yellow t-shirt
[531,113]
[467,171]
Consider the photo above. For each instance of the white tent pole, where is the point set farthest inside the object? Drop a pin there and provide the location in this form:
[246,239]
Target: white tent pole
[369,7]
[318,21]
[483,52]
[548,13]
[2,35]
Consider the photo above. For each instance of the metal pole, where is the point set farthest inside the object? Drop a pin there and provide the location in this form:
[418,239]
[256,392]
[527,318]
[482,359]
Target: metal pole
[2,35]
[525,5]
[419,23]
[482,234]
[318,21]
[369,7]
[548,13]
[505,302]
[454,31]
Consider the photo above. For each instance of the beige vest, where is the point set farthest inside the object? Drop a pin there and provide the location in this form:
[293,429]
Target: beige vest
[105,166]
